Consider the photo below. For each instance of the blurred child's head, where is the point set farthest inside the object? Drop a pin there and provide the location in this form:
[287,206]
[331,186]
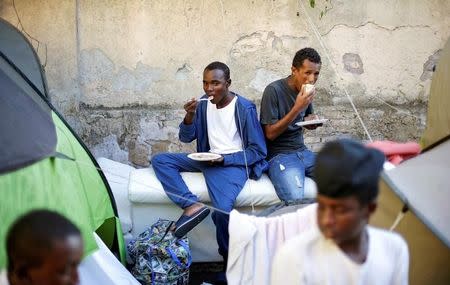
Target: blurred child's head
[43,248]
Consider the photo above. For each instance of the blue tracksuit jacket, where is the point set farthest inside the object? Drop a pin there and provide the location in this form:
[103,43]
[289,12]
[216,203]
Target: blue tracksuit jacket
[248,127]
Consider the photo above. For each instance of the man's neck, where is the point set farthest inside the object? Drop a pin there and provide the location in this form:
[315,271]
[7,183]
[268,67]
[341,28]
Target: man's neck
[291,83]
[225,100]
[357,249]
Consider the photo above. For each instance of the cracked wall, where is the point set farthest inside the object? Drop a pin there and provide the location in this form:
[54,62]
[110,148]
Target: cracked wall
[120,71]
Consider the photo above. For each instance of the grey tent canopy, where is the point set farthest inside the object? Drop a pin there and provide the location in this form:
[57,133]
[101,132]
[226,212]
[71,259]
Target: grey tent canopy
[28,132]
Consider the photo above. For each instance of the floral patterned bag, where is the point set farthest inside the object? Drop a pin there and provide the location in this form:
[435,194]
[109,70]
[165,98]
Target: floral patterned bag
[159,257]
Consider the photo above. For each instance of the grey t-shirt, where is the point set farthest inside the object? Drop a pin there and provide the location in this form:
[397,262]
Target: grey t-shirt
[278,99]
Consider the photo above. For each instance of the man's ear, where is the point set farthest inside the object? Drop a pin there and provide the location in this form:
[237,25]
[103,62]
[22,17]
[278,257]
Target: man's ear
[19,275]
[293,69]
[372,207]
[228,82]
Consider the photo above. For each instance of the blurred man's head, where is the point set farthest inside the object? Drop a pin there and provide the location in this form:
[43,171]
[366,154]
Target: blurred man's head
[43,248]
[346,173]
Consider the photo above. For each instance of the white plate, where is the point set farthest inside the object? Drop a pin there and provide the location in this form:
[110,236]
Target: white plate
[311,122]
[204,156]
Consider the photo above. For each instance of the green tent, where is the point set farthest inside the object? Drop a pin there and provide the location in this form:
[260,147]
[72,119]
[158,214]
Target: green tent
[415,195]
[43,164]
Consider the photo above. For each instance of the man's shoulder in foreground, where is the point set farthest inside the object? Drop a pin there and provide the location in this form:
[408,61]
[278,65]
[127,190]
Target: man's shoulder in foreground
[391,242]
[302,258]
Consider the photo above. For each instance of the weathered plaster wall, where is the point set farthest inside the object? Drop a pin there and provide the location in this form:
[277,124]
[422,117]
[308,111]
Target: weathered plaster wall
[52,27]
[121,70]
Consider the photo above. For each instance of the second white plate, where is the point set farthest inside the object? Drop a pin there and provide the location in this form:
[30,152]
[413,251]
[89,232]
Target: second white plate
[204,156]
[311,122]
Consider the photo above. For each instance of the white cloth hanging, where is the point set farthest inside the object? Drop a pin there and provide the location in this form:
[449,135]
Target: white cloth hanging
[254,241]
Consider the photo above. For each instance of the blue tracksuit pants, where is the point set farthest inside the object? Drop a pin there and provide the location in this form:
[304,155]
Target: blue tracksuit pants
[224,185]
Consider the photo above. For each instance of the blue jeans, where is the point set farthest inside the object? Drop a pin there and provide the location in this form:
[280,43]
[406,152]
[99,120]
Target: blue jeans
[224,184]
[287,172]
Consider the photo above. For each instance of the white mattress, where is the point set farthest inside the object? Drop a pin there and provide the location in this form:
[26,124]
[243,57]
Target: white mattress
[144,187]
[118,175]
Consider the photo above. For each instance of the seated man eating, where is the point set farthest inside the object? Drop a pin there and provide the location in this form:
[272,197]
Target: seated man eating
[223,123]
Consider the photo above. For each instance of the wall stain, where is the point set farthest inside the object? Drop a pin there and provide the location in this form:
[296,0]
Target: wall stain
[100,78]
[353,63]
[430,65]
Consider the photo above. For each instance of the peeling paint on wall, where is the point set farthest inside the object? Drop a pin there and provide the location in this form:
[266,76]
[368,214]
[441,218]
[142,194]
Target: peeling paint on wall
[263,77]
[105,84]
[183,72]
[430,65]
[353,63]
[110,148]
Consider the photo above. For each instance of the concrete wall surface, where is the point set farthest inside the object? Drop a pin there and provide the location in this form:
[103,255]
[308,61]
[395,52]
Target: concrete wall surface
[120,71]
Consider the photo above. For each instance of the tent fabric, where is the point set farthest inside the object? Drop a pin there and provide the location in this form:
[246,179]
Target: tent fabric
[422,183]
[28,133]
[72,188]
[414,196]
[429,255]
[438,115]
[15,47]
[49,167]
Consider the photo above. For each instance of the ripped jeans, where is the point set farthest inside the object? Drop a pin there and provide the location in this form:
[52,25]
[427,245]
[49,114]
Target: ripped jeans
[287,172]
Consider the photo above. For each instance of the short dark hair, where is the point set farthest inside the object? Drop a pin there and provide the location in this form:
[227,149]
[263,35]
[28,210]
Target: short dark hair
[32,235]
[219,65]
[346,168]
[305,53]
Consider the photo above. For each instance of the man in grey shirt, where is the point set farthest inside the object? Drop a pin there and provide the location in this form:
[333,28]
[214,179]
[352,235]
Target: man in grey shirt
[284,103]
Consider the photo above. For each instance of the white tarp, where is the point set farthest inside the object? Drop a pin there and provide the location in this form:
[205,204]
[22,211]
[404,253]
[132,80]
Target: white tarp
[102,267]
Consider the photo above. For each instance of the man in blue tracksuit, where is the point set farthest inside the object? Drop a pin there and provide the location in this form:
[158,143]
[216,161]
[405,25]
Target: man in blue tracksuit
[225,124]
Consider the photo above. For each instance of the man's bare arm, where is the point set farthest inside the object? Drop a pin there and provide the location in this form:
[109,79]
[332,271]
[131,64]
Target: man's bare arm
[272,131]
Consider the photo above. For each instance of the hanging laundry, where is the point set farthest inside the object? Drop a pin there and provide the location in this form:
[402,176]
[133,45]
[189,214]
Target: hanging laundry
[254,241]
